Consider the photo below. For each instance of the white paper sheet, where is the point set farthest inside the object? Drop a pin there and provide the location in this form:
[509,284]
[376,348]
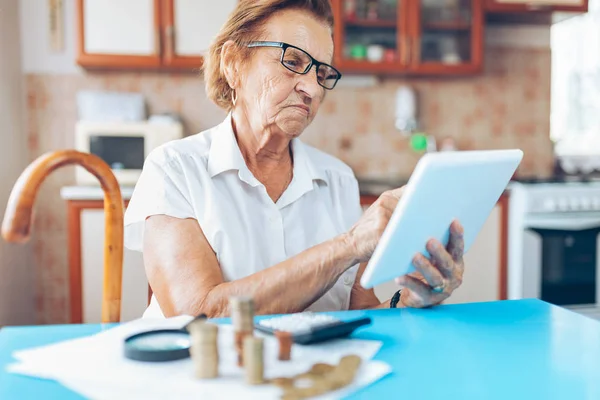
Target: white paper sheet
[95,366]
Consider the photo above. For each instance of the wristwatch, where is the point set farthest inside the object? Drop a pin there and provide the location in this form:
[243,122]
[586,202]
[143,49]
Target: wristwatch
[395,299]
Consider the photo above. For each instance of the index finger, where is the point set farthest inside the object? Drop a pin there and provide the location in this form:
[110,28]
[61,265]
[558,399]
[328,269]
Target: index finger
[456,244]
[397,193]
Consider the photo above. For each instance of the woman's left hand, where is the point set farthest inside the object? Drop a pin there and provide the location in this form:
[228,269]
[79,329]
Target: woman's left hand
[436,278]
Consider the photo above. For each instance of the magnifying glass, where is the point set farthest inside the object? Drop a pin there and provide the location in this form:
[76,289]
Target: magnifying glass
[160,345]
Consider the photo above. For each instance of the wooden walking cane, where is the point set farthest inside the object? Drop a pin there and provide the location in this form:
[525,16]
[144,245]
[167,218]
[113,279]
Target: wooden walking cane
[17,219]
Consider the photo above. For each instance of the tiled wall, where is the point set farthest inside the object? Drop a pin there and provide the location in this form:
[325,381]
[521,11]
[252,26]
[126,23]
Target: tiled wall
[507,106]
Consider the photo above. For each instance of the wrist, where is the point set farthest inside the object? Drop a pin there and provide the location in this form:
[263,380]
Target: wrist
[348,248]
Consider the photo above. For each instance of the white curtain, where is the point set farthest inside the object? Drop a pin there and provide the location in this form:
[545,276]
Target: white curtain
[575,116]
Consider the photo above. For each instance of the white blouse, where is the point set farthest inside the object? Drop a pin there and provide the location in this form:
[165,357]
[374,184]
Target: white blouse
[205,177]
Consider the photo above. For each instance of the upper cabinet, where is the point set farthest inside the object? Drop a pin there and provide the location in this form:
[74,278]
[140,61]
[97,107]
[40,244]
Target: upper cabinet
[536,5]
[189,28]
[447,36]
[409,36]
[148,33]
[370,36]
[117,33]
[384,37]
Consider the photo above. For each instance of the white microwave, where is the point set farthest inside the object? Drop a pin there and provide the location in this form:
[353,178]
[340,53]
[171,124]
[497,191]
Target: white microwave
[124,146]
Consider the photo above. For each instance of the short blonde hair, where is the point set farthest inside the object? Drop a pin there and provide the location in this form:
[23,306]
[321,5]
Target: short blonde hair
[244,26]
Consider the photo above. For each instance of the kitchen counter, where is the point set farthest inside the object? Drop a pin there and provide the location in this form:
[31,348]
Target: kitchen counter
[368,187]
[91,192]
[374,187]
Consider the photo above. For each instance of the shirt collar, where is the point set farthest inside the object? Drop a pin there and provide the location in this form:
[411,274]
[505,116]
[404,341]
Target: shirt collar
[225,155]
[305,173]
[304,164]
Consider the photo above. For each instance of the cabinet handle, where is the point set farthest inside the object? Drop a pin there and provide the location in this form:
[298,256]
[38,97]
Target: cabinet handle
[157,42]
[170,34]
[407,46]
[416,50]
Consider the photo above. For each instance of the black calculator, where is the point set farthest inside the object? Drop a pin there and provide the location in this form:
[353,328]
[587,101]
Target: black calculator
[309,327]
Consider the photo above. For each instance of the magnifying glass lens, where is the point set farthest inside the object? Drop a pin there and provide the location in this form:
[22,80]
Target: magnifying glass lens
[161,345]
[163,341]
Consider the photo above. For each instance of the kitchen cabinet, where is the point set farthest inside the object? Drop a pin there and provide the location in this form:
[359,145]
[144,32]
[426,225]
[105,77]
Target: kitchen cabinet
[86,266]
[485,276]
[189,28]
[153,34]
[520,6]
[116,33]
[413,37]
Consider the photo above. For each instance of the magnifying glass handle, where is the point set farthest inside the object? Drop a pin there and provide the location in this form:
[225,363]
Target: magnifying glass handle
[199,316]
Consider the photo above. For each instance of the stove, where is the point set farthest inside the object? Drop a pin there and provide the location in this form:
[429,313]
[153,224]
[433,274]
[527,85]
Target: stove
[554,243]
[557,197]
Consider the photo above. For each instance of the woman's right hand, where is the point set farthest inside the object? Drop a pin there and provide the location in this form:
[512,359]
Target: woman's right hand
[365,234]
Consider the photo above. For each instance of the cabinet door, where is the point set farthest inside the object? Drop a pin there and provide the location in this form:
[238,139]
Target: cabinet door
[134,293]
[447,36]
[189,28]
[536,5]
[481,279]
[371,36]
[117,33]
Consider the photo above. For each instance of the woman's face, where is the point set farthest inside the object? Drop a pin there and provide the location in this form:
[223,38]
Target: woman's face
[273,97]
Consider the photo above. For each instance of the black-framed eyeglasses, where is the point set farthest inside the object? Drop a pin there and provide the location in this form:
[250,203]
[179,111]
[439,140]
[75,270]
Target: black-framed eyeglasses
[300,62]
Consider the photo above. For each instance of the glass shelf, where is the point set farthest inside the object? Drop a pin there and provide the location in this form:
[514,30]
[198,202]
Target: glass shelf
[446,32]
[370,31]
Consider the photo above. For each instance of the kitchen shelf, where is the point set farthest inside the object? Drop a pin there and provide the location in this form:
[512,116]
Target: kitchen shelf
[416,35]
[447,26]
[368,23]
[352,65]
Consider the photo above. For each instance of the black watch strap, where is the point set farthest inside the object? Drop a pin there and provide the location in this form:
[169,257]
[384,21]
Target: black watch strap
[395,299]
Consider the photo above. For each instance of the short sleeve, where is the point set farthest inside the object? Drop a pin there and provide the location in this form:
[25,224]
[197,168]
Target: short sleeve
[350,201]
[161,189]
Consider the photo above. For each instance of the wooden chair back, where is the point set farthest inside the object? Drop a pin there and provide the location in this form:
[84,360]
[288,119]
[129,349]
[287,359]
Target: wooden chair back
[16,225]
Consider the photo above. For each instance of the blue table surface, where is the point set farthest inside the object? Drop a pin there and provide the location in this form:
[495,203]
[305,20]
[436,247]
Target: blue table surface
[518,349]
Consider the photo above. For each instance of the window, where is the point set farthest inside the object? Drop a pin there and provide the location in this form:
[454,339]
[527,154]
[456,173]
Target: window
[575,98]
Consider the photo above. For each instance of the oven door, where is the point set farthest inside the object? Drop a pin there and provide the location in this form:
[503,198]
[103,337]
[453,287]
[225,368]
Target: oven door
[561,262]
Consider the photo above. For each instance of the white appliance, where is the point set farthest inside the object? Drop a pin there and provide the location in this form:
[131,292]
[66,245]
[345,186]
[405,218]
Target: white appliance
[122,145]
[554,244]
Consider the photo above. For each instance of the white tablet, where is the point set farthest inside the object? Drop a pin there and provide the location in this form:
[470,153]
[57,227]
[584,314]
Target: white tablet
[463,185]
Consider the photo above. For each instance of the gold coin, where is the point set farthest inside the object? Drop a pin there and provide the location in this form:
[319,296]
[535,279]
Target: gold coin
[283,382]
[321,368]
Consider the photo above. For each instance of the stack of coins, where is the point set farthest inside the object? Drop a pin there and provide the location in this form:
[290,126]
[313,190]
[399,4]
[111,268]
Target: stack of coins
[254,360]
[242,313]
[204,349]
[285,345]
[242,317]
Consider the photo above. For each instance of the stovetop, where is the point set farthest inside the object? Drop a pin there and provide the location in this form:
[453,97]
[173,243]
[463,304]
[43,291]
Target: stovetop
[558,179]
[558,195]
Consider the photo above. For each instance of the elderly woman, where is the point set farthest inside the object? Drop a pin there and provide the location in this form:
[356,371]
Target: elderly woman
[246,208]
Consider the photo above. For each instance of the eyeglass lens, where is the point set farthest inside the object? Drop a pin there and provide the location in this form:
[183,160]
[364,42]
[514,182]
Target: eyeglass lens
[299,61]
